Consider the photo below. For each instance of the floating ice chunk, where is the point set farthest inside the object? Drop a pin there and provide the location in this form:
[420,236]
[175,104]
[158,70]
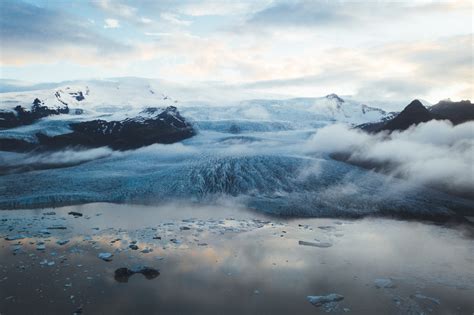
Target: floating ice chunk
[326,227]
[318,300]
[424,297]
[16,248]
[75,214]
[57,227]
[15,237]
[319,244]
[62,242]
[45,231]
[106,256]
[383,283]
[40,247]
[46,262]
[133,246]
[49,213]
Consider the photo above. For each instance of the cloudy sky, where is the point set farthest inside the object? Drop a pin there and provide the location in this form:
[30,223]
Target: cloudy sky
[370,49]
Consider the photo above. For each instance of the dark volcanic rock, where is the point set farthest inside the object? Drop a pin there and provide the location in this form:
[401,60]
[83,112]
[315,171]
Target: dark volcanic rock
[16,145]
[75,214]
[122,274]
[151,126]
[21,116]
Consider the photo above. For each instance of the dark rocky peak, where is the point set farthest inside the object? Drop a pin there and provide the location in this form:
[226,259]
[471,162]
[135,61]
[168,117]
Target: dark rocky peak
[77,95]
[37,102]
[413,114]
[415,107]
[334,96]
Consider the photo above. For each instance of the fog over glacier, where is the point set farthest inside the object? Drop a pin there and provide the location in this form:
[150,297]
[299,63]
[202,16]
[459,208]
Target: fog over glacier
[434,153]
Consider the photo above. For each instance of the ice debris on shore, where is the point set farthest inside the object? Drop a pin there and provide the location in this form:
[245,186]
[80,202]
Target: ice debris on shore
[384,283]
[319,300]
[314,244]
[105,256]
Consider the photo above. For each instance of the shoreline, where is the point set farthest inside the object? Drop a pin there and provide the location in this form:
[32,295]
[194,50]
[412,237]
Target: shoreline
[449,218]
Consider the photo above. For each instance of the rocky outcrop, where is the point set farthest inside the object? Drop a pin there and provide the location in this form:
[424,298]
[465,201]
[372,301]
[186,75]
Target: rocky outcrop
[21,116]
[415,113]
[456,112]
[151,126]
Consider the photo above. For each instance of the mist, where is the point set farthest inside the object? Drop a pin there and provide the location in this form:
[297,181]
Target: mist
[435,153]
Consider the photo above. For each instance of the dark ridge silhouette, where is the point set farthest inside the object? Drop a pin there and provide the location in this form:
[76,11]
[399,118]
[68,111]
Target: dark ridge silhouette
[151,126]
[415,113]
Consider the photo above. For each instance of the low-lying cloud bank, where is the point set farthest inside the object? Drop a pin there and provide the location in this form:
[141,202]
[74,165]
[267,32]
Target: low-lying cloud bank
[17,162]
[435,153]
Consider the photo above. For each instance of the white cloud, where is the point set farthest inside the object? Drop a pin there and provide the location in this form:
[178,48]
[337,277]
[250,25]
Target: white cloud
[174,19]
[111,23]
[435,153]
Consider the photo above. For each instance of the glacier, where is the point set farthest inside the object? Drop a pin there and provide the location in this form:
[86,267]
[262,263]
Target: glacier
[256,153]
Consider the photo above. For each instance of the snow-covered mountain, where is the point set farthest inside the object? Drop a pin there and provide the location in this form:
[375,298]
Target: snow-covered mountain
[122,98]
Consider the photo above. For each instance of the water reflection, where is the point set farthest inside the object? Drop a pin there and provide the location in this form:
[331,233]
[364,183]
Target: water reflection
[229,262]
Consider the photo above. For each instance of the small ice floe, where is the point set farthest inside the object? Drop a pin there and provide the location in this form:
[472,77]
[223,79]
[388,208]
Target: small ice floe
[384,283]
[45,232]
[314,244]
[75,214]
[122,274]
[15,237]
[175,241]
[57,227]
[319,300]
[202,244]
[184,228]
[62,242]
[16,248]
[147,250]
[105,256]
[46,262]
[40,247]
[78,311]
[49,213]
[326,227]
[133,246]
[424,297]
